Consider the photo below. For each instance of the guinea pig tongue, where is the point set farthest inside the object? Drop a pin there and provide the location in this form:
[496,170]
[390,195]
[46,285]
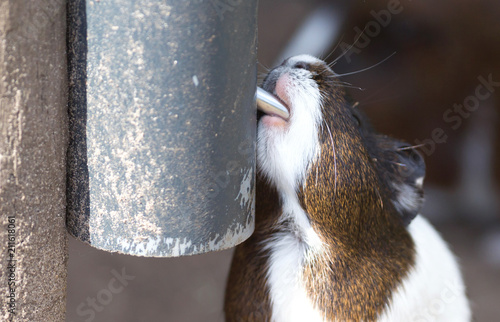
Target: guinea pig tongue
[270,104]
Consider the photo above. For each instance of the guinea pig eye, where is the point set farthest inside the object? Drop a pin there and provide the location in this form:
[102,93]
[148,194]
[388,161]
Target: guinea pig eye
[410,153]
[302,65]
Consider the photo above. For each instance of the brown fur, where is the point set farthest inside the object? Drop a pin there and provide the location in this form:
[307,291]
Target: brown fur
[247,293]
[368,250]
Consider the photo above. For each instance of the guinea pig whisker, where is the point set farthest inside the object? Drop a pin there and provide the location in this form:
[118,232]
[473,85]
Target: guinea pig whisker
[398,163]
[379,197]
[334,48]
[411,147]
[367,68]
[264,66]
[348,49]
[341,82]
[334,162]
[338,82]
[350,86]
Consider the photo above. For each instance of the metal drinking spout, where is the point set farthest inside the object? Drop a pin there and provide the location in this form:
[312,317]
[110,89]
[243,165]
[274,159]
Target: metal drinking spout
[269,104]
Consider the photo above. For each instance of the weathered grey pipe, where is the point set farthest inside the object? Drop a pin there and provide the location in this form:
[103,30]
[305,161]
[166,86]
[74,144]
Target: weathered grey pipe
[161,159]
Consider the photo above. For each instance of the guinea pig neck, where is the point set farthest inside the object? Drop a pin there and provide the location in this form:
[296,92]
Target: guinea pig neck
[345,198]
[366,250]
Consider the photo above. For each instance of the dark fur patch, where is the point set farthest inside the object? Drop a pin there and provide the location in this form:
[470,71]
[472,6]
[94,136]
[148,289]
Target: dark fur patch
[350,205]
[247,294]
[349,197]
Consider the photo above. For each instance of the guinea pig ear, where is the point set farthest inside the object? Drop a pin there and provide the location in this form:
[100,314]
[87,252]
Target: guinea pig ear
[408,191]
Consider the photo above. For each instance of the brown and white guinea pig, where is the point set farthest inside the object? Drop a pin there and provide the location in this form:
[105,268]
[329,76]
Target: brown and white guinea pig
[337,234]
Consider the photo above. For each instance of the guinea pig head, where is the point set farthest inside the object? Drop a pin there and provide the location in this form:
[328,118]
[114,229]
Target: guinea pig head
[348,178]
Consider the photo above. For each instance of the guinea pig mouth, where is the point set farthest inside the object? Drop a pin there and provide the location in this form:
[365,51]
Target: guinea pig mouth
[272,105]
[280,115]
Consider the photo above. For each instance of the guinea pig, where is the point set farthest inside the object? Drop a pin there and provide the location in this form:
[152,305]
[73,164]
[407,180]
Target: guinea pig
[338,236]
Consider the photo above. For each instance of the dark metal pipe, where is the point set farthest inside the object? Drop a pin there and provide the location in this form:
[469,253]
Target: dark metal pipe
[162,125]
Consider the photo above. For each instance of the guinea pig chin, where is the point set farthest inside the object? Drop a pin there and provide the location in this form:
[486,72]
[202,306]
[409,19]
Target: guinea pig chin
[285,148]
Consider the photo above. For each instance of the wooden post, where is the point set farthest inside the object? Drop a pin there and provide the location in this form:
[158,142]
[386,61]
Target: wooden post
[33,140]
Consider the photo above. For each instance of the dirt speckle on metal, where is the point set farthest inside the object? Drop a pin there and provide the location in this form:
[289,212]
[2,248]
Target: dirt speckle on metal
[167,96]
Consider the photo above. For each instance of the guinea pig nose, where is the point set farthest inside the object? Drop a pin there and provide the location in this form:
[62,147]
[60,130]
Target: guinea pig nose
[302,65]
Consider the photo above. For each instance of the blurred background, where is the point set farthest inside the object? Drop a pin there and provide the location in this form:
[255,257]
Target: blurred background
[438,84]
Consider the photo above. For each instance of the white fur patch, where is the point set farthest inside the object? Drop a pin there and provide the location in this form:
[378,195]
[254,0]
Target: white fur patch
[289,299]
[408,198]
[289,252]
[434,290]
[285,153]
[303,58]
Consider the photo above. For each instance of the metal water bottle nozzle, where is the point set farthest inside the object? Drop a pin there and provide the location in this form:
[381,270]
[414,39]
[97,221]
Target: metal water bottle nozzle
[268,103]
